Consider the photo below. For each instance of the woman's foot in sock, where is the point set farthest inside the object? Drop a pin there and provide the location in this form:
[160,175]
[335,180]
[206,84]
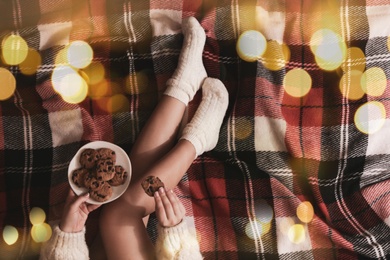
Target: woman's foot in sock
[203,129]
[190,72]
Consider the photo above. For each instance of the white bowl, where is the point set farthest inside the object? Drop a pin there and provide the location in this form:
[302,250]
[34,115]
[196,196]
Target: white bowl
[121,159]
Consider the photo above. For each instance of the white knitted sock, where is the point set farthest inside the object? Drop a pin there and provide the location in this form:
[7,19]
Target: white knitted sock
[203,129]
[190,72]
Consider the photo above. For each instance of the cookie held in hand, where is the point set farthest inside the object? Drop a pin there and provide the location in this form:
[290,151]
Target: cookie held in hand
[151,184]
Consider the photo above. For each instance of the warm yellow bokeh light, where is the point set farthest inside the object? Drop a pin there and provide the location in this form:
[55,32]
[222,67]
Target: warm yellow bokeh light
[95,72]
[350,85]
[59,74]
[354,60]
[79,54]
[30,65]
[305,212]
[297,82]
[370,117]
[14,49]
[84,76]
[41,232]
[37,216]
[61,57]
[243,128]
[69,84]
[329,49]
[285,224]
[118,103]
[254,229]
[374,81]
[137,83]
[296,233]
[266,227]
[8,84]
[251,45]
[101,89]
[10,235]
[276,56]
[78,93]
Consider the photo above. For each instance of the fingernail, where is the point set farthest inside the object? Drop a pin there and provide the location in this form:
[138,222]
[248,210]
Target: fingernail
[156,194]
[86,194]
[161,189]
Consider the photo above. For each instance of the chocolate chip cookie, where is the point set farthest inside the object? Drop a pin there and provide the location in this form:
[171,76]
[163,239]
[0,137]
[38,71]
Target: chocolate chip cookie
[151,184]
[88,158]
[102,194]
[120,176]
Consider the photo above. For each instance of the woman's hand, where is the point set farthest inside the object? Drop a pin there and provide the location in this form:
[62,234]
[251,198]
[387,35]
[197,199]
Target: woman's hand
[169,209]
[76,212]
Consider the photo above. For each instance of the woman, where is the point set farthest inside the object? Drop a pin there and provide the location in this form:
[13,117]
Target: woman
[174,239]
[157,151]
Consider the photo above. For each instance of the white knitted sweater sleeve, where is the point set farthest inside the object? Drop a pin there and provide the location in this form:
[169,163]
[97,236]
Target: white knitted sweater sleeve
[64,245]
[177,243]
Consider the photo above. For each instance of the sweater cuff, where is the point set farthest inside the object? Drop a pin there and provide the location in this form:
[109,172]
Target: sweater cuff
[67,237]
[177,241]
[178,230]
[63,245]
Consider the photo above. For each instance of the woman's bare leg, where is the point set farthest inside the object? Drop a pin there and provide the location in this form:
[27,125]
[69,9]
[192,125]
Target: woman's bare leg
[160,132]
[124,233]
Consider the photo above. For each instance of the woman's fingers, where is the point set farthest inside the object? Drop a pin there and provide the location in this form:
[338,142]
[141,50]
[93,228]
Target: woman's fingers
[167,204]
[160,210]
[177,206]
[169,210]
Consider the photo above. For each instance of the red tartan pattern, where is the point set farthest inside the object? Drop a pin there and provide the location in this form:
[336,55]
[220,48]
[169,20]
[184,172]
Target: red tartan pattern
[273,148]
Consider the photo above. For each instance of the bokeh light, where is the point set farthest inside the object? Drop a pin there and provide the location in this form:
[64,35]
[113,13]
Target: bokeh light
[374,81]
[79,54]
[254,229]
[37,216]
[14,49]
[99,90]
[350,85]
[78,93]
[69,84]
[276,55]
[41,232]
[305,212]
[284,225]
[370,117]
[251,45]
[296,233]
[297,82]
[62,57]
[263,212]
[118,103]
[30,65]
[355,60]
[10,235]
[329,49]
[8,84]
[95,72]
[137,82]
[243,128]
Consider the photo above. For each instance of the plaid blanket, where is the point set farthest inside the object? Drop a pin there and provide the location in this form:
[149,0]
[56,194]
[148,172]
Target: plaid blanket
[292,177]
